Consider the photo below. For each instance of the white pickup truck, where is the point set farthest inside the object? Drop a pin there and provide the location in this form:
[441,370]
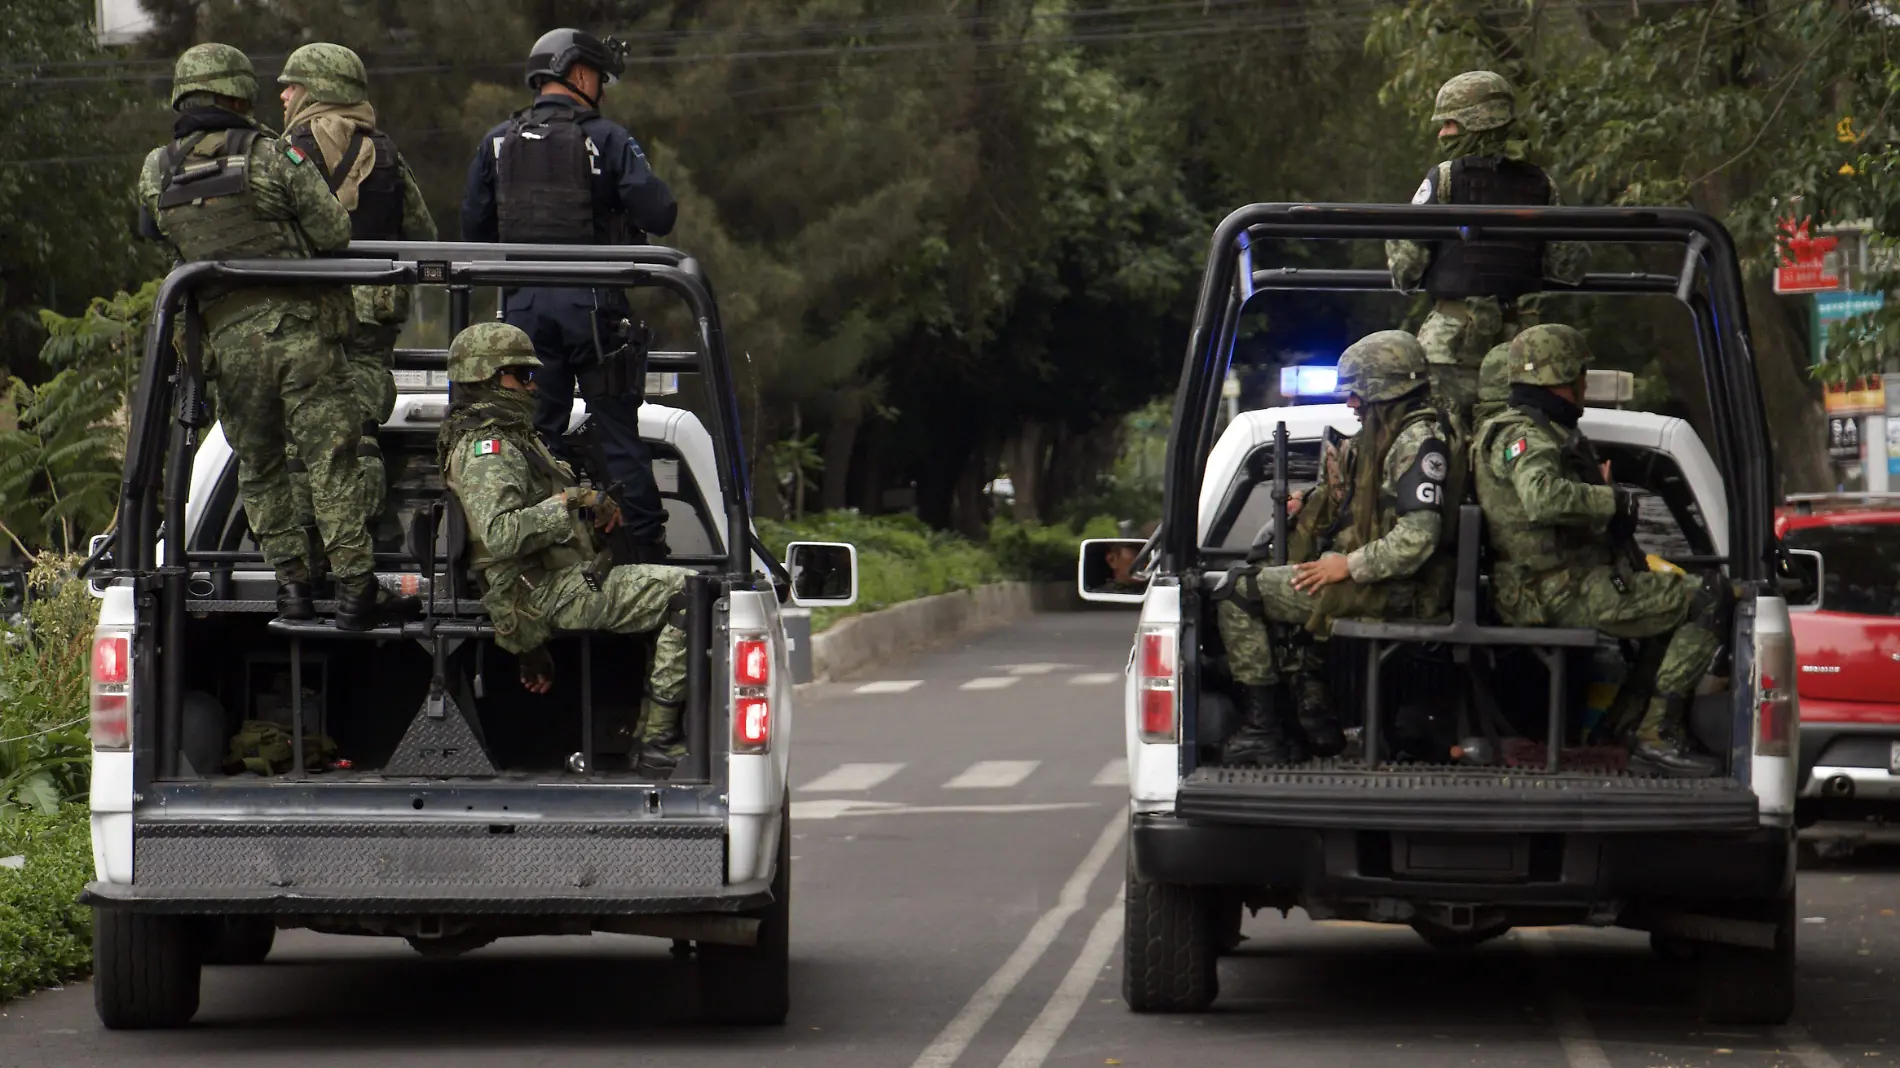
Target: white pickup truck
[436,798]
[1401,829]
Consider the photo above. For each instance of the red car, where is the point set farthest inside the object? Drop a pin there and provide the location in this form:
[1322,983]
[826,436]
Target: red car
[1847,646]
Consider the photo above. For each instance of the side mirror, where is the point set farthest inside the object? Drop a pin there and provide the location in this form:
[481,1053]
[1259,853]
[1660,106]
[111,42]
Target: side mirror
[1106,571]
[1801,583]
[824,573]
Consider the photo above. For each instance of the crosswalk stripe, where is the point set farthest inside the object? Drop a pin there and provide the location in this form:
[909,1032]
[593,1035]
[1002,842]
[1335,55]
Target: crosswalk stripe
[1094,678]
[890,686]
[1035,669]
[1113,773]
[991,682]
[853,777]
[992,774]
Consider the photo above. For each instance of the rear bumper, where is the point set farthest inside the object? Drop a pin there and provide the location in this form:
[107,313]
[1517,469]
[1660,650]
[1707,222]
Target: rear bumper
[1570,873]
[424,900]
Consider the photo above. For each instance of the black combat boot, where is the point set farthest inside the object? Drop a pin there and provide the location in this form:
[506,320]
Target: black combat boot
[295,601]
[659,757]
[363,604]
[1661,747]
[1317,721]
[1262,738]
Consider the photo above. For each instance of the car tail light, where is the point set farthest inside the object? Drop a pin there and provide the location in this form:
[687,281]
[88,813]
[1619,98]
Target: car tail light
[1774,695]
[751,662]
[111,689]
[1156,685]
[751,702]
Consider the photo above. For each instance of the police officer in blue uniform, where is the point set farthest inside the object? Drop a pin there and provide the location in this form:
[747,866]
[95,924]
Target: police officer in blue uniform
[558,173]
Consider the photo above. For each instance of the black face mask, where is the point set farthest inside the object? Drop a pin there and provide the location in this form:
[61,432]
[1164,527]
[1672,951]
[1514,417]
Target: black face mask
[1537,398]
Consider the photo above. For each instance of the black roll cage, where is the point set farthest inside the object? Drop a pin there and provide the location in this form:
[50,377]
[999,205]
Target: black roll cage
[1709,284]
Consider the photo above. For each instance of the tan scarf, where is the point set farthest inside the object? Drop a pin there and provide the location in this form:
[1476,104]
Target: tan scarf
[333,126]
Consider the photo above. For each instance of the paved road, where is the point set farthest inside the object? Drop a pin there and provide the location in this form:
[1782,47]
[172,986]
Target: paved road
[956,904]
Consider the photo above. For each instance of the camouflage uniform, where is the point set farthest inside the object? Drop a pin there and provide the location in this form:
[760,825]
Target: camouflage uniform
[1397,573]
[1553,525]
[275,353]
[330,115]
[532,544]
[1458,332]
[1494,384]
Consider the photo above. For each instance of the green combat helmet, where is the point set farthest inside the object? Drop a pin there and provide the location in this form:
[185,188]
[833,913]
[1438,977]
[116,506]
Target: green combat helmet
[480,352]
[1476,100]
[213,68]
[330,73]
[1383,366]
[1549,355]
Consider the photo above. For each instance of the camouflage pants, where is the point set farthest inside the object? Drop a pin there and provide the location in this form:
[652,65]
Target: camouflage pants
[1457,334]
[633,599]
[1657,606]
[367,353]
[1270,592]
[280,385]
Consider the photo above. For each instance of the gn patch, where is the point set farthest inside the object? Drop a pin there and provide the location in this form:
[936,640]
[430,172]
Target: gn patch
[1422,487]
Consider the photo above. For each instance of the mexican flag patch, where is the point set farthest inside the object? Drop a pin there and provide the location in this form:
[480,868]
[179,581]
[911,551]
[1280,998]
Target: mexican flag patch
[1516,449]
[488,448]
[295,155]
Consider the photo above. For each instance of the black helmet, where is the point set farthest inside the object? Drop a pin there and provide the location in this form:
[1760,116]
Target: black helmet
[558,50]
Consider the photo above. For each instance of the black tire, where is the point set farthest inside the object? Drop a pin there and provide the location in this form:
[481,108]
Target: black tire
[750,986]
[238,940]
[1751,986]
[1446,940]
[1170,946]
[145,969]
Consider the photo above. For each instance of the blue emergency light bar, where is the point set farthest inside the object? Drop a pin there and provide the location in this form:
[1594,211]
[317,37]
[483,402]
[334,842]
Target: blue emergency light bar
[1308,380]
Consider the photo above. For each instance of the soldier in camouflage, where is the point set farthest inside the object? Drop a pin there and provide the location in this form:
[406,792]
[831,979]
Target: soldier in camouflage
[1483,291]
[534,537]
[226,189]
[1554,519]
[327,115]
[1494,384]
[1380,558]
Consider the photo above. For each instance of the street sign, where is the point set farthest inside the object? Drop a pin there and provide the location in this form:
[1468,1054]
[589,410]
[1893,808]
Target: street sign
[1831,308]
[1843,438]
[1865,397]
[1808,263]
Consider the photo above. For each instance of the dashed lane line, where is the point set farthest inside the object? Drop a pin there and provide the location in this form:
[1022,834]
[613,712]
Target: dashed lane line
[963,1028]
[991,682]
[1113,773]
[1574,1033]
[1034,1047]
[890,686]
[1804,1047]
[1094,678]
[993,774]
[852,777]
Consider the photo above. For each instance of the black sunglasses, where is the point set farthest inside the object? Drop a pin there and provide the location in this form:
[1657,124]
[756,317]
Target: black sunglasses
[524,375]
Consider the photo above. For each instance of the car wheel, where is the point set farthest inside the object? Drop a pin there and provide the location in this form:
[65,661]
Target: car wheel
[1751,985]
[1169,946]
[145,969]
[238,939]
[751,985]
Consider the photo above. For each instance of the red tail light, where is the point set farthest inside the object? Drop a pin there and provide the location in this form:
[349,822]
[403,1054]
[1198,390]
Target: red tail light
[111,691]
[751,662]
[1156,686]
[751,701]
[1775,709]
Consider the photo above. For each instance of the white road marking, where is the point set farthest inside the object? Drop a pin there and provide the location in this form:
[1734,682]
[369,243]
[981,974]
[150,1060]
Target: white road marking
[992,774]
[991,682]
[956,1035]
[890,686]
[1574,1033]
[1034,1047]
[1034,669]
[830,808]
[1113,773]
[1094,678]
[1804,1047]
[853,777]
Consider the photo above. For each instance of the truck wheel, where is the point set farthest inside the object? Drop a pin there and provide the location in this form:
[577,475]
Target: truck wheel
[144,969]
[1747,985]
[1169,946]
[751,985]
[237,939]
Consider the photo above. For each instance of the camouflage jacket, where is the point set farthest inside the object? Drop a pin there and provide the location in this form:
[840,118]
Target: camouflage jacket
[1408,260]
[1542,511]
[520,529]
[1411,502]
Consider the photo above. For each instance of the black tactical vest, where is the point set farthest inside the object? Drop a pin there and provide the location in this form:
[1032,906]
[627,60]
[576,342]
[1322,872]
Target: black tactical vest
[1488,267]
[206,210]
[544,178]
[379,197]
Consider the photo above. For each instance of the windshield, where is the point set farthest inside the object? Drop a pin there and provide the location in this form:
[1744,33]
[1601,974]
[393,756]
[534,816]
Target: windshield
[1860,566]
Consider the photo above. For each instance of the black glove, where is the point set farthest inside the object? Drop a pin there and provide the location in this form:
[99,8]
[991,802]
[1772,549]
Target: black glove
[536,666]
[1623,522]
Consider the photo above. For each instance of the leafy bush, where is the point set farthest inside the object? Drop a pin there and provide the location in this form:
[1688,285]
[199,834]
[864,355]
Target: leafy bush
[45,754]
[47,934]
[1043,553]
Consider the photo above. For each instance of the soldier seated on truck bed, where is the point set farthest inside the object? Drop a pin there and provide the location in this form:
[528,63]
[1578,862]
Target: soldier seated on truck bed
[1385,558]
[534,537]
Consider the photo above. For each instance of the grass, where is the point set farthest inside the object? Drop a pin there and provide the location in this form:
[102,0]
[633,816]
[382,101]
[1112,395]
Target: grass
[47,934]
